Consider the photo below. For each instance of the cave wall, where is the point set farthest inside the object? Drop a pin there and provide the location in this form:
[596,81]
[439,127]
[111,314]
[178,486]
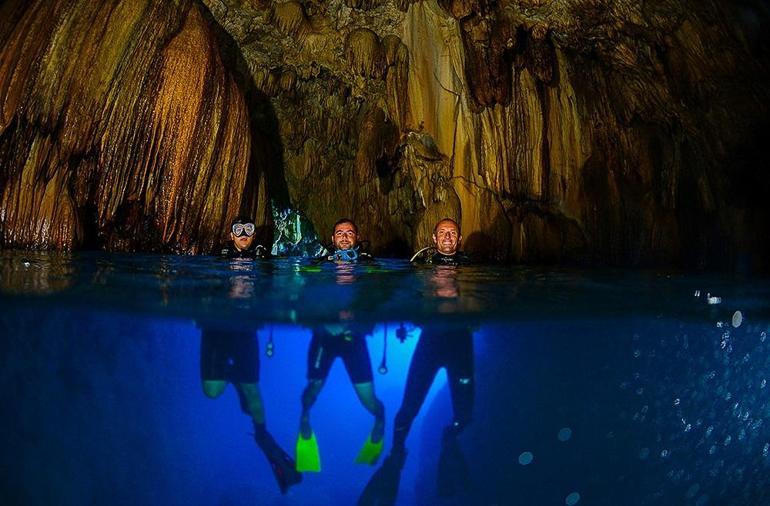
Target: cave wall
[598,131]
[120,127]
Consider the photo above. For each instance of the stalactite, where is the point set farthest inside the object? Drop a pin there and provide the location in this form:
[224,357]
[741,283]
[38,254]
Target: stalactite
[364,53]
[290,18]
[137,139]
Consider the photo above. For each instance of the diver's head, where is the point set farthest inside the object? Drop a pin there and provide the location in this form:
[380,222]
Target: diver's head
[447,237]
[242,232]
[345,234]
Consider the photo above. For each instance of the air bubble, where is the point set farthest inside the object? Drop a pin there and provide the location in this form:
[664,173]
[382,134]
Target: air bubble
[526,458]
[737,319]
[565,434]
[664,454]
[644,453]
[572,499]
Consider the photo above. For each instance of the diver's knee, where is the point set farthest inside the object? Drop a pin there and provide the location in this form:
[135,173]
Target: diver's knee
[213,389]
[310,394]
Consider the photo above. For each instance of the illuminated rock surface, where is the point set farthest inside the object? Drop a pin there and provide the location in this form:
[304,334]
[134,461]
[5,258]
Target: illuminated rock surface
[584,130]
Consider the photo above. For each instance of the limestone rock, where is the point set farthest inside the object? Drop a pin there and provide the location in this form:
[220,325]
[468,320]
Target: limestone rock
[593,131]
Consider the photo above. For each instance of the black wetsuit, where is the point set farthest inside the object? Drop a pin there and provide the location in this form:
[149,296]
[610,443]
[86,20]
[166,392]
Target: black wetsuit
[229,355]
[436,258]
[350,346]
[439,346]
[231,251]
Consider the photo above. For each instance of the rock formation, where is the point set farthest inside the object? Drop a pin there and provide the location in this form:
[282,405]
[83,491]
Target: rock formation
[120,127]
[597,131]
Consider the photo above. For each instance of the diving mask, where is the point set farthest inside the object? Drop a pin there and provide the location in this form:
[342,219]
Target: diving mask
[346,255]
[247,229]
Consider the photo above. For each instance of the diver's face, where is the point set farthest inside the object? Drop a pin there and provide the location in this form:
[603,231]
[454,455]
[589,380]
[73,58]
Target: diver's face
[242,242]
[344,236]
[447,238]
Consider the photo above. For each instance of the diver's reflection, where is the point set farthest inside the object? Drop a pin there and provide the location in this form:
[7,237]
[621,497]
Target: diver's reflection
[440,345]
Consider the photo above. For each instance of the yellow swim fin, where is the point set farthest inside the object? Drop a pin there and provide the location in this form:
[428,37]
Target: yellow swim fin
[307,457]
[370,452]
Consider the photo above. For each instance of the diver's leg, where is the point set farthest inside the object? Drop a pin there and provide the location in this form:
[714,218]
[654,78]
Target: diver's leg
[460,375]
[422,371]
[365,393]
[453,473]
[309,396]
[214,388]
[355,357]
[251,402]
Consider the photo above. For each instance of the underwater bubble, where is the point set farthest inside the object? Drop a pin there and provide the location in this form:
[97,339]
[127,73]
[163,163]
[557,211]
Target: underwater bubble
[565,433]
[728,439]
[766,450]
[644,453]
[692,491]
[713,449]
[526,458]
[637,353]
[676,402]
[697,293]
[714,300]
[572,499]
[664,454]
[762,337]
[737,319]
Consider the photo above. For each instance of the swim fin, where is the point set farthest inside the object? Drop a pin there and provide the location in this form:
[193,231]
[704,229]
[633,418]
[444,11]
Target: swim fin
[308,457]
[382,489]
[280,462]
[370,452]
[453,471]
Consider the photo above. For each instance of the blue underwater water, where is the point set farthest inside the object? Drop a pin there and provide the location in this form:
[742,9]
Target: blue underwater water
[589,387]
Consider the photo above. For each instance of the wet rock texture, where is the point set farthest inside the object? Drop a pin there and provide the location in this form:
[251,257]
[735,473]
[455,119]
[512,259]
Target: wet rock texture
[119,127]
[608,131]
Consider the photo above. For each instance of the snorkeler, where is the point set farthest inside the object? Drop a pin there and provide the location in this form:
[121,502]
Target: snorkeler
[441,345]
[346,246]
[347,341]
[231,355]
[242,245]
[446,246]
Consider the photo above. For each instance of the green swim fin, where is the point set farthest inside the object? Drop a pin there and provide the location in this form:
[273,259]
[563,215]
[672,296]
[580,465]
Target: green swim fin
[370,452]
[308,457]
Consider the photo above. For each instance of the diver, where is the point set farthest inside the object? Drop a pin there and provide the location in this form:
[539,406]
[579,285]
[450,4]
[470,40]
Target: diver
[346,245]
[231,355]
[440,345]
[446,246]
[242,245]
[345,340]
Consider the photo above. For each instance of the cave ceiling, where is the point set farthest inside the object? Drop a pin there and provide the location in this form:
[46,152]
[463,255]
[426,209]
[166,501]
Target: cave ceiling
[598,131]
